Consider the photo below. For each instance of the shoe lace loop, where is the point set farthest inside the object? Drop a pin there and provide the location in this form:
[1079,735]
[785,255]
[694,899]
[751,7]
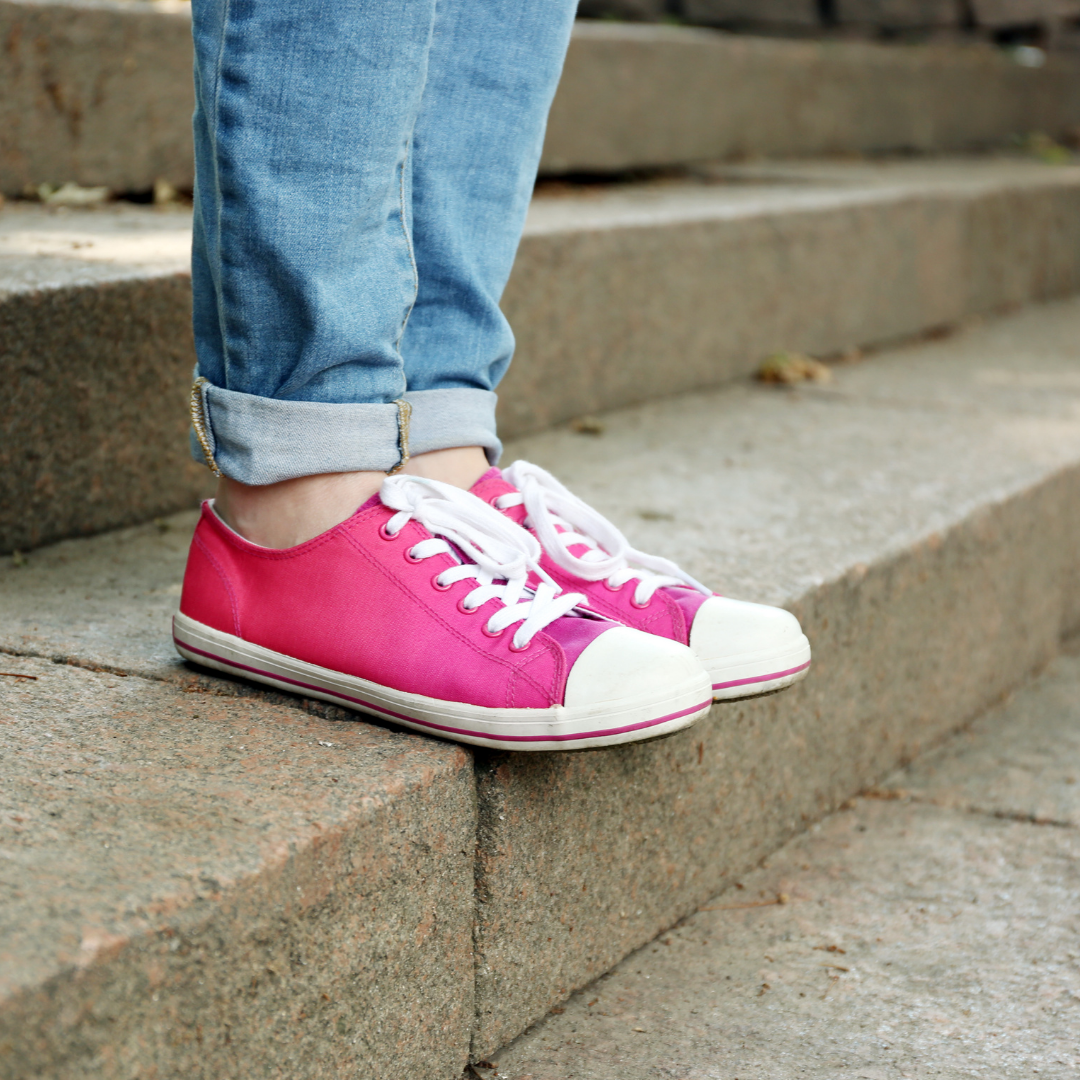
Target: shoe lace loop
[561,520]
[501,554]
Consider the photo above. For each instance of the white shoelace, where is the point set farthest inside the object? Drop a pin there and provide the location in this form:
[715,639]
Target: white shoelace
[502,553]
[549,506]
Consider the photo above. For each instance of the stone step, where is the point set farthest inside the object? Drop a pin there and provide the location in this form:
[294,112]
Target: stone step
[99,92]
[620,294]
[919,513]
[890,956]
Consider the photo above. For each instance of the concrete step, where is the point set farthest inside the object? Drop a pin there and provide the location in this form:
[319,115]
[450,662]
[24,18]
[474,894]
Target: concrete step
[919,513]
[921,924]
[99,92]
[620,294]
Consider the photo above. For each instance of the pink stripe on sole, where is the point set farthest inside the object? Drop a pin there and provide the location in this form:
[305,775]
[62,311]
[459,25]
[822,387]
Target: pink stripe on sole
[761,678]
[442,727]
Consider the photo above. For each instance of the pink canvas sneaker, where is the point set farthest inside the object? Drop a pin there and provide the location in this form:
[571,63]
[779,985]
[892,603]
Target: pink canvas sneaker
[418,609]
[748,649]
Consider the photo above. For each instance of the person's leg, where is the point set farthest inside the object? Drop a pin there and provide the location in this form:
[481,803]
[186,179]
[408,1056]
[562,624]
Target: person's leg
[414,605]
[493,69]
[303,271]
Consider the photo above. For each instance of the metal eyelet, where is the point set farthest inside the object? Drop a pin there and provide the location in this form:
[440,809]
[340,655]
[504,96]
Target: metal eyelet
[437,584]
[466,610]
[386,534]
[634,602]
[519,648]
[493,633]
[410,557]
[613,588]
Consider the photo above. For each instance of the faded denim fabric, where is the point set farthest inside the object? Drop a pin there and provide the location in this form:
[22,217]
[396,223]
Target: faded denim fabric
[363,170]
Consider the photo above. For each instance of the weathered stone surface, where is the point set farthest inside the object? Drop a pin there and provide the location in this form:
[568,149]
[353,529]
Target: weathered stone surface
[692,273]
[634,96]
[995,13]
[899,14]
[686,273]
[784,13]
[919,515]
[636,10]
[98,92]
[199,886]
[916,941]
[1021,760]
[96,353]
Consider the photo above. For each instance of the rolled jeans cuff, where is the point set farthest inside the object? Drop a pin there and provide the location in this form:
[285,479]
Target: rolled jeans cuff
[259,440]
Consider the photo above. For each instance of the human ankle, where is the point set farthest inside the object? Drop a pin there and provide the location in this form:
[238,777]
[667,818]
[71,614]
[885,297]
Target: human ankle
[289,512]
[461,466]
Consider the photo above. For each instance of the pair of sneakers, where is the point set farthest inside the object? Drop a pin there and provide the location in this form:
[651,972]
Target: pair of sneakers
[511,616]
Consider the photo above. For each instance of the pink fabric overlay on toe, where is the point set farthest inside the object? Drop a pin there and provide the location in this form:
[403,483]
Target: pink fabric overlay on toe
[748,649]
[425,607]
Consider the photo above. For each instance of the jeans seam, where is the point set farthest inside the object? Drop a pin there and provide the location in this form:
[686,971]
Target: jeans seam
[218,210]
[409,251]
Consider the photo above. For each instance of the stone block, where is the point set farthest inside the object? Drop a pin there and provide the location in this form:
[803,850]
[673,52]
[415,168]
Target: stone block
[899,14]
[911,935]
[690,272]
[781,13]
[1000,13]
[918,512]
[98,92]
[97,354]
[636,96]
[1021,760]
[633,10]
[954,574]
[201,886]
[640,275]
[631,96]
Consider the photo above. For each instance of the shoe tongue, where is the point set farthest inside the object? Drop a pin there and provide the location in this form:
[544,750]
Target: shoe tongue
[490,486]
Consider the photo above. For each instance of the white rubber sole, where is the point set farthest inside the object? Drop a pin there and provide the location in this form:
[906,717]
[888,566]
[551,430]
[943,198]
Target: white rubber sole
[753,674]
[557,728]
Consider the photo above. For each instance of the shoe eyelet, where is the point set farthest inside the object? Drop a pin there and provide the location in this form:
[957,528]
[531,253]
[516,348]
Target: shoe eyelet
[386,534]
[466,610]
[634,602]
[519,648]
[493,633]
[437,584]
[613,588]
[411,558]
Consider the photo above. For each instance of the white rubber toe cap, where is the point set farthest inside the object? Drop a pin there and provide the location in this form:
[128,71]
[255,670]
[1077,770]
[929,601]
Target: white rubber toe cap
[725,628]
[748,649]
[625,666]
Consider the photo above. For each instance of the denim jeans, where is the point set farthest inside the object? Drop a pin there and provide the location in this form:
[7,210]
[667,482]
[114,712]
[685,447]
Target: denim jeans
[363,170]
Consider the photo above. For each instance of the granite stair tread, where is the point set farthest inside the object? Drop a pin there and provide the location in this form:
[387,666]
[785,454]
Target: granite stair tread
[917,512]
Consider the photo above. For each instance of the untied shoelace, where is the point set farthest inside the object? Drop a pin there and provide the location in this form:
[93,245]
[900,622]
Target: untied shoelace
[502,553]
[549,506]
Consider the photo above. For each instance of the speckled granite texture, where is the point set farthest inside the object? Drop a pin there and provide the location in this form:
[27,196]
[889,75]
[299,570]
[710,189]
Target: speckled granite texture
[618,296]
[208,887]
[929,931]
[100,92]
[920,514]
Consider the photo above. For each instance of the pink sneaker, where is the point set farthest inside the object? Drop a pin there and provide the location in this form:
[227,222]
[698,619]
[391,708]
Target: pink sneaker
[748,649]
[418,609]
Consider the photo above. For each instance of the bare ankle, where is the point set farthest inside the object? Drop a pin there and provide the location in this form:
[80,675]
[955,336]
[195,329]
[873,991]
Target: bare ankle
[461,466]
[288,513]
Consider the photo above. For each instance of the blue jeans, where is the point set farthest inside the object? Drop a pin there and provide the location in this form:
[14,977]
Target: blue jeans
[363,170]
